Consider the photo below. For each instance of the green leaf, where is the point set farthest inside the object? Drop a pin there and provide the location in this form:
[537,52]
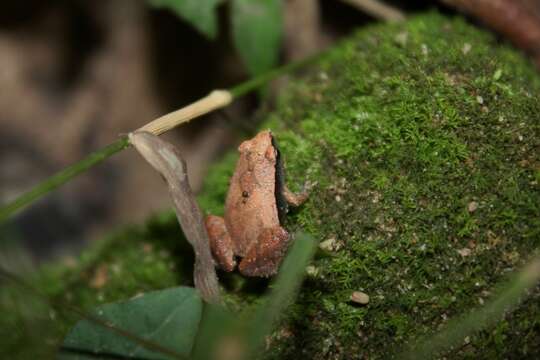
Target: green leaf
[199,13]
[167,318]
[257,28]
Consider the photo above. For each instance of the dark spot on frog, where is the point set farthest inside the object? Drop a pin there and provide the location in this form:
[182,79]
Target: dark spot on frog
[245,196]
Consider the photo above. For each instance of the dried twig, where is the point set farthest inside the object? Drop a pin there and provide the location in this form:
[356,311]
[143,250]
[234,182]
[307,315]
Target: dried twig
[514,19]
[166,159]
[378,9]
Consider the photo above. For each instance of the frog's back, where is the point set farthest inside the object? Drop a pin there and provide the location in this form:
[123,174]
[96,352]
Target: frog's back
[251,201]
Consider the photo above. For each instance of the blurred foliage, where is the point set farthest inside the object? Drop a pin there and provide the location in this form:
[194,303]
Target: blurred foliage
[201,14]
[256,26]
[257,32]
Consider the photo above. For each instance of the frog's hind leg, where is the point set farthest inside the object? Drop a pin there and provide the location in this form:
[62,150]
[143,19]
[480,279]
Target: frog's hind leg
[264,257]
[220,242]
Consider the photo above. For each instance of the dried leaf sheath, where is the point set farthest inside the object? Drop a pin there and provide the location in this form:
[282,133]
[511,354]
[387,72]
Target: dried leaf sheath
[166,159]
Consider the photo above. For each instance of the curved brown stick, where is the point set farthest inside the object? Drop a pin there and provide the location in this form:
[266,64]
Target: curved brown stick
[167,160]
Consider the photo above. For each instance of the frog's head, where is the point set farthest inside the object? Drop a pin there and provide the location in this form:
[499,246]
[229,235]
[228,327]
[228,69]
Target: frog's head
[259,146]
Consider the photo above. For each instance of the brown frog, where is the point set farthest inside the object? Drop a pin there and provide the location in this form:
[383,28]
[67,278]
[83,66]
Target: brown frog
[256,202]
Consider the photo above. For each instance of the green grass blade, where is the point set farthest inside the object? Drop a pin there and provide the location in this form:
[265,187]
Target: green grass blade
[455,332]
[259,81]
[61,178]
[283,291]
[239,336]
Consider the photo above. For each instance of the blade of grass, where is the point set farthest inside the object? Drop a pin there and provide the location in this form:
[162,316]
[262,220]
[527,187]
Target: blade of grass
[61,178]
[224,335]
[508,297]
[283,291]
[215,100]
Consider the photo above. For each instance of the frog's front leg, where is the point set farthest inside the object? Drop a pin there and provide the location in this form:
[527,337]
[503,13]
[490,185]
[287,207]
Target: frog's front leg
[295,199]
[264,256]
[220,242]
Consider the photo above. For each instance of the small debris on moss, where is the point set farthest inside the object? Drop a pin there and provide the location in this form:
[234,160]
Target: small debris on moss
[360,297]
[100,277]
[330,244]
[312,271]
[473,205]
[464,252]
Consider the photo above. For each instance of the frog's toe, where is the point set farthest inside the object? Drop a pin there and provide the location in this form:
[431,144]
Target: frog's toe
[220,242]
[263,258]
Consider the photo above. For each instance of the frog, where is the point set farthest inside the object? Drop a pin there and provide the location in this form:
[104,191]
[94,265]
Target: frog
[250,235]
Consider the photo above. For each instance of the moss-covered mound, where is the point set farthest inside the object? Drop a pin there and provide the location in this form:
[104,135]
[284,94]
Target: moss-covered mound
[424,141]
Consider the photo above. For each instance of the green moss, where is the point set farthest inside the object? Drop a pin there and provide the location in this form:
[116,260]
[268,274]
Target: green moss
[408,131]
[423,139]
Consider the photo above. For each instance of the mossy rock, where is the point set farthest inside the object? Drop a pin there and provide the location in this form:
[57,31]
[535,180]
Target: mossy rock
[424,141]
